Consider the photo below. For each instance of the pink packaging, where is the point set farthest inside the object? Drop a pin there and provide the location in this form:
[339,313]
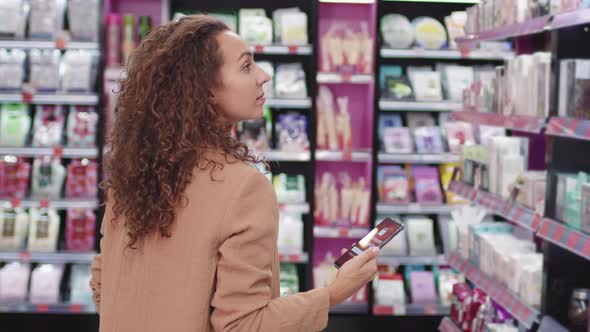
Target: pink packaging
[82,122]
[14,177]
[80,226]
[422,287]
[459,134]
[478,298]
[460,298]
[427,185]
[113,39]
[82,179]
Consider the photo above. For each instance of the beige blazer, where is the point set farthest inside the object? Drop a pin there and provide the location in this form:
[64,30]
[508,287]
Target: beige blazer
[218,272]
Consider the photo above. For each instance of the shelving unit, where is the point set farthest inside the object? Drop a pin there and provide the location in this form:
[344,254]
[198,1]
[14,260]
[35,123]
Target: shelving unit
[355,156]
[285,155]
[419,53]
[59,308]
[531,124]
[350,308]
[414,208]
[44,44]
[338,78]
[411,309]
[419,106]
[282,49]
[296,258]
[412,260]
[415,158]
[59,257]
[59,204]
[525,314]
[289,103]
[339,232]
[50,99]
[569,128]
[32,152]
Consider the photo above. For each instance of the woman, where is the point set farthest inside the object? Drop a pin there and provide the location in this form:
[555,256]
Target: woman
[190,229]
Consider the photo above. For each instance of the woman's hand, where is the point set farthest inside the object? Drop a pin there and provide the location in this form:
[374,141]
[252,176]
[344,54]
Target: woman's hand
[353,275]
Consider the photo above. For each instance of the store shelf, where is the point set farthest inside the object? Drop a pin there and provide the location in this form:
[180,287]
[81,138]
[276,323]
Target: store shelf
[521,215]
[565,237]
[48,257]
[355,156]
[525,314]
[414,208]
[327,78]
[419,53]
[285,155]
[339,232]
[447,325]
[289,103]
[412,260]
[47,44]
[569,127]
[419,106]
[50,99]
[59,204]
[350,308]
[60,308]
[302,208]
[532,26]
[417,158]
[281,49]
[532,124]
[31,152]
[349,1]
[297,258]
[412,310]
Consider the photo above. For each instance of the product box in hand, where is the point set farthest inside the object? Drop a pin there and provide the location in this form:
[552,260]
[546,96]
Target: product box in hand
[397,246]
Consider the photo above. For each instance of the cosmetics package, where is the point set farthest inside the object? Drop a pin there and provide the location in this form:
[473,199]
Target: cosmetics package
[387,121]
[393,185]
[256,134]
[15,123]
[83,18]
[46,18]
[397,31]
[289,279]
[44,69]
[461,292]
[532,190]
[45,282]
[43,230]
[14,223]
[394,85]
[48,125]
[430,33]
[80,278]
[290,26]
[458,135]
[397,140]
[81,128]
[397,246]
[14,177]
[290,81]
[113,33]
[342,202]
[82,179]
[448,233]
[48,177]
[14,282]
[78,70]
[80,226]
[446,281]
[446,174]
[500,147]
[422,287]
[347,47]
[417,120]
[428,140]
[573,212]
[334,129]
[292,132]
[455,79]
[13,19]
[509,168]
[426,84]
[389,291]
[255,27]
[268,87]
[420,232]
[12,68]
[290,238]
[290,189]
[427,185]
[129,37]
[485,133]
[455,24]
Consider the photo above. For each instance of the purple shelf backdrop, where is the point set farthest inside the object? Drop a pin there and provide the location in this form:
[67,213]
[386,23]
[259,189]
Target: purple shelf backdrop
[154,8]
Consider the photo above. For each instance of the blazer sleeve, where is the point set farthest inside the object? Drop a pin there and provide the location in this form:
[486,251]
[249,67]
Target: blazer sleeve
[242,300]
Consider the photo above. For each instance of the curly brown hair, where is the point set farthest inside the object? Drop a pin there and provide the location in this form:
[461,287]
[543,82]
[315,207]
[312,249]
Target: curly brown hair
[164,125]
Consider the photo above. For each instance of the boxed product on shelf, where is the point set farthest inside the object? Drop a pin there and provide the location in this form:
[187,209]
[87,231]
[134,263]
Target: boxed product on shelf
[14,282]
[420,233]
[447,278]
[428,140]
[80,277]
[83,19]
[397,140]
[397,31]
[455,23]
[15,123]
[508,158]
[256,134]
[290,238]
[429,33]
[45,284]
[416,120]
[78,70]
[393,185]
[291,132]
[13,16]
[347,47]
[394,85]
[289,279]
[342,201]
[485,133]
[80,229]
[82,179]
[334,130]
[458,135]
[12,68]
[290,81]
[427,185]
[388,289]
[46,18]
[446,175]
[81,127]
[14,224]
[289,188]
[254,26]
[422,287]
[574,78]
[43,230]
[48,125]
[44,69]
[585,207]
[47,177]
[532,190]
[14,179]
[426,83]
[455,79]
[290,26]
[388,121]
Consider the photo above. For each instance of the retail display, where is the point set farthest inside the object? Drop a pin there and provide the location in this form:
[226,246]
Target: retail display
[45,281]
[80,226]
[291,132]
[80,277]
[334,123]
[14,282]
[289,279]
[342,201]
[347,47]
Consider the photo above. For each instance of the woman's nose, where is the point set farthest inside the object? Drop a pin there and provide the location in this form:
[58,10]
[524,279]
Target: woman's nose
[263,77]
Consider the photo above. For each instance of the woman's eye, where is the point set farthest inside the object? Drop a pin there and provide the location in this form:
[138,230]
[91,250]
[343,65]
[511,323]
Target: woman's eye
[248,67]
